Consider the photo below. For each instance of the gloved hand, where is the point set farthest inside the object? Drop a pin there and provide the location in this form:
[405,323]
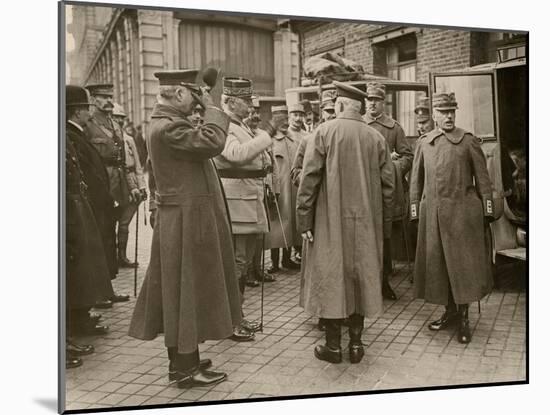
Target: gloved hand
[308,236]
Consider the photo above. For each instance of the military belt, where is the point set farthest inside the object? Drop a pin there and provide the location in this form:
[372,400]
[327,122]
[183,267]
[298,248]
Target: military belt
[241,174]
[176,199]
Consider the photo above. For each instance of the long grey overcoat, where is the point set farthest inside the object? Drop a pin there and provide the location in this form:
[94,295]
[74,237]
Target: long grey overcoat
[190,290]
[450,195]
[284,151]
[345,196]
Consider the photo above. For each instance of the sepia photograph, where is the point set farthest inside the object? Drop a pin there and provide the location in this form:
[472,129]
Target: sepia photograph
[256,207]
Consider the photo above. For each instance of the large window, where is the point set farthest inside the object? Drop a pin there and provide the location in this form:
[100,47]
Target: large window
[474,94]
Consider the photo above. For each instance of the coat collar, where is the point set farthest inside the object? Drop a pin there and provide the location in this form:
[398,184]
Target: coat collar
[166,111]
[382,119]
[72,124]
[279,136]
[455,136]
[350,115]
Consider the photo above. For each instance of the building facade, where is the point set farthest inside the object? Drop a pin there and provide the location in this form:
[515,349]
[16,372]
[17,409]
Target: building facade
[136,43]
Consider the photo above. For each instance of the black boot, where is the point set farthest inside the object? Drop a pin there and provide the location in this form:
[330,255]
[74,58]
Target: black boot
[387,291]
[287,261]
[331,351]
[123,260]
[356,350]
[274,261]
[172,369]
[449,317]
[321,325]
[464,334]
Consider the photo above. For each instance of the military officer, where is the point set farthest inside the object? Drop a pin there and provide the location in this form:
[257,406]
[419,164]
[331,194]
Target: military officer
[282,212]
[309,116]
[190,292]
[424,122]
[135,172]
[343,213]
[109,143]
[402,157]
[243,166]
[451,197]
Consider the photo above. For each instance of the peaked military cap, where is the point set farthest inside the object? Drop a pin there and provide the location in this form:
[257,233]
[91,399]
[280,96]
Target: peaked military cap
[348,91]
[279,108]
[76,95]
[100,89]
[422,109]
[296,108]
[376,90]
[183,77]
[237,87]
[444,101]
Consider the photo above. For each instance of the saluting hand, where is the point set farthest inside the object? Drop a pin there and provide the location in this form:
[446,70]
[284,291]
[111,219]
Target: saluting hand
[307,236]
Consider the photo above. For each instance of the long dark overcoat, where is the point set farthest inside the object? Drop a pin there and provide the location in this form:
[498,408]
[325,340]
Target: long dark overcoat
[345,197]
[190,290]
[450,195]
[87,274]
[395,137]
[99,194]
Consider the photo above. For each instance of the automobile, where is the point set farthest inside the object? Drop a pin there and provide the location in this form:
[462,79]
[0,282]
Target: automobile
[492,101]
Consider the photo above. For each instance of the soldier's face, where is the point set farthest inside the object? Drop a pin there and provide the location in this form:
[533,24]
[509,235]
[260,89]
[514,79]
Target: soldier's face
[309,118]
[424,126]
[184,100]
[375,106]
[241,107]
[445,119]
[296,120]
[104,103]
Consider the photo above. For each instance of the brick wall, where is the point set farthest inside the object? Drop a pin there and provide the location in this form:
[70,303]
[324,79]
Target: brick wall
[437,50]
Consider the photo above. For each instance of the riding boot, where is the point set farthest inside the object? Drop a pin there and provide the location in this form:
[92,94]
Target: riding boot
[449,317]
[123,260]
[356,350]
[464,334]
[274,261]
[331,351]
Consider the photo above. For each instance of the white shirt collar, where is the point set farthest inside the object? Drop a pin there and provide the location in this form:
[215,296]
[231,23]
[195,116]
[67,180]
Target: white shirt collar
[76,125]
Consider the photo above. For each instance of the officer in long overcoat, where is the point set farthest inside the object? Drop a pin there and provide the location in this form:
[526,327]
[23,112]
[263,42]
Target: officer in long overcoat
[87,275]
[283,232]
[402,157]
[451,196]
[243,166]
[109,143]
[190,292]
[343,212]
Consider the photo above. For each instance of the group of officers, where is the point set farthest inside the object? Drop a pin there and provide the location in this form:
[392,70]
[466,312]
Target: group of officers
[225,188]
[104,187]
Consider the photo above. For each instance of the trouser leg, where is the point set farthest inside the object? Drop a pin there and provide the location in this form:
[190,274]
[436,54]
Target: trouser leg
[183,362]
[275,258]
[387,291]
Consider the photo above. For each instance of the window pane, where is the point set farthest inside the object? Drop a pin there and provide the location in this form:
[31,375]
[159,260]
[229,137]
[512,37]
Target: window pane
[474,94]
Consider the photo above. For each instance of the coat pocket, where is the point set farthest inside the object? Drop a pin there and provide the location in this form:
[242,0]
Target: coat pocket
[243,208]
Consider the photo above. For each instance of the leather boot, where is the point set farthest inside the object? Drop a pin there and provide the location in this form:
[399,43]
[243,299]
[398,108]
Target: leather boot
[387,291]
[123,260]
[449,317]
[356,350]
[173,373]
[464,334]
[287,262]
[274,261]
[331,351]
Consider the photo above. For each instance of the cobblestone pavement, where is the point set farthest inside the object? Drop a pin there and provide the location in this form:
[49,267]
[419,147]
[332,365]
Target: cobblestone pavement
[400,350]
